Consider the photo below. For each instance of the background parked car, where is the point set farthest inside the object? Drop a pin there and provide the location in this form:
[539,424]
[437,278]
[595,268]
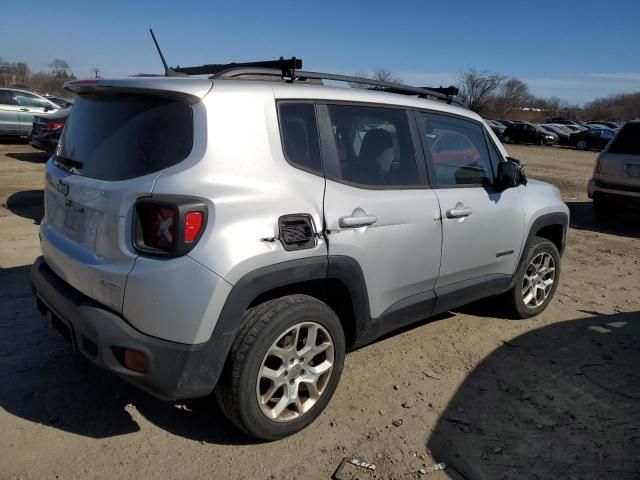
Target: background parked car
[564,134]
[17,109]
[592,139]
[615,185]
[525,132]
[599,124]
[47,129]
[62,102]
[497,127]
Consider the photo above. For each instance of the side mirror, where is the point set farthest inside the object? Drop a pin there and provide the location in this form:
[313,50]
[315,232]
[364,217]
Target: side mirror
[510,174]
[48,108]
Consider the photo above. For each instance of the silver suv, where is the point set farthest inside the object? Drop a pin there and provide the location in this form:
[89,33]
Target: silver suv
[615,184]
[17,109]
[238,236]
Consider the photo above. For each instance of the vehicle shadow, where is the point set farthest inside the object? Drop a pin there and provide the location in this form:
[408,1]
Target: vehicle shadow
[27,204]
[32,157]
[45,382]
[583,217]
[12,140]
[561,402]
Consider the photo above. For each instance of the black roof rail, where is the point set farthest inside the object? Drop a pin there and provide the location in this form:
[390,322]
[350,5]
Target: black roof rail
[284,67]
[439,93]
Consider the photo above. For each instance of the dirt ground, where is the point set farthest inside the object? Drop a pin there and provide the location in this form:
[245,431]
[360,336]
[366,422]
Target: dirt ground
[548,398]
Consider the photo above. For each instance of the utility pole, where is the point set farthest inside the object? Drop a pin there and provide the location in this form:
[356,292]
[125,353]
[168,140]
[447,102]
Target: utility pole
[96,72]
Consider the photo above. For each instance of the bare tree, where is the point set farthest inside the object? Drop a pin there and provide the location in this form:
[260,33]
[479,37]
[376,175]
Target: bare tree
[383,75]
[477,89]
[512,94]
[59,68]
[379,74]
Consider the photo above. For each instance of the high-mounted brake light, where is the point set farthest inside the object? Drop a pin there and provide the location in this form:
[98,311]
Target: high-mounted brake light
[168,225]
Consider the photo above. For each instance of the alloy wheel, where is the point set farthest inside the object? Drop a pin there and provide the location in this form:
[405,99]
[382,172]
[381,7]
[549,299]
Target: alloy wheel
[295,372]
[538,280]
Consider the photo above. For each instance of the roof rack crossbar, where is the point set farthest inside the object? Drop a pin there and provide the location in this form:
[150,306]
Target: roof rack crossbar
[285,66]
[445,94]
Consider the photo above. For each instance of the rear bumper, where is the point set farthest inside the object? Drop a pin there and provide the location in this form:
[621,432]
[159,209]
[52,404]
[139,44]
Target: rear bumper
[45,145]
[175,370]
[595,187]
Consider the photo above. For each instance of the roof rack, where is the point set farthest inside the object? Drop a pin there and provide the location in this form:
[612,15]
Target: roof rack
[293,74]
[289,71]
[284,66]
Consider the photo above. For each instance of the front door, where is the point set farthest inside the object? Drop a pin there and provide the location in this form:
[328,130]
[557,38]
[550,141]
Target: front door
[9,119]
[378,207]
[482,229]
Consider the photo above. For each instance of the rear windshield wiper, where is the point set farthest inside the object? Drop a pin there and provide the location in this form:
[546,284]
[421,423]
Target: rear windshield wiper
[68,164]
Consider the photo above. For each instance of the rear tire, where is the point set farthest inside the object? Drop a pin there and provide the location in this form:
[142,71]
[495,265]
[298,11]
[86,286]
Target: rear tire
[536,280]
[272,385]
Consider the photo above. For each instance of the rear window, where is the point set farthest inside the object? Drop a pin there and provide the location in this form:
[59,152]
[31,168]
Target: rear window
[628,140]
[118,137]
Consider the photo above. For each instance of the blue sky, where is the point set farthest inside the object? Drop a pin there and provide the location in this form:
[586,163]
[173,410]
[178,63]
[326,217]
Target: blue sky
[574,49]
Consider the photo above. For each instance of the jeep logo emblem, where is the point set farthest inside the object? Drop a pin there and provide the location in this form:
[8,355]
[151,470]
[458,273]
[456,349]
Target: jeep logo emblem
[63,188]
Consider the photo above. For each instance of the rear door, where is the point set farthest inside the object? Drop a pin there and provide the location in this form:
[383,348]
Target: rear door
[112,149]
[378,206]
[482,229]
[620,162]
[9,119]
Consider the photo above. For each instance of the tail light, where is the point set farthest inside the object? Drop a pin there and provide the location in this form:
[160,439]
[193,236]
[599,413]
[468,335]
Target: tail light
[598,167]
[53,125]
[168,225]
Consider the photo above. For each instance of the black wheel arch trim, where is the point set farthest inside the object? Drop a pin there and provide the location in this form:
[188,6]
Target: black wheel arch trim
[545,220]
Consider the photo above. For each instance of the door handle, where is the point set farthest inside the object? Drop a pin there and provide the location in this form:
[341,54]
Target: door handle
[24,109]
[459,211]
[359,218]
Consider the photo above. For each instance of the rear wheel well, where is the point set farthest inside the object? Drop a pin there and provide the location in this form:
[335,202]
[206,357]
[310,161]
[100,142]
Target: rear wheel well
[553,233]
[331,291]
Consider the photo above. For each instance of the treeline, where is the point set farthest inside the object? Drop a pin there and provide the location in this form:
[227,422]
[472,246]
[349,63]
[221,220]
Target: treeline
[497,96]
[19,75]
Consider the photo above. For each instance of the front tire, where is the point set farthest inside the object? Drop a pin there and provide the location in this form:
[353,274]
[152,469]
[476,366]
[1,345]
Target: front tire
[283,368]
[582,145]
[536,281]
[506,139]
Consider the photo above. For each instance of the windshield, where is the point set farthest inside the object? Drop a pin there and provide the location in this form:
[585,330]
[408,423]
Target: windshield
[122,136]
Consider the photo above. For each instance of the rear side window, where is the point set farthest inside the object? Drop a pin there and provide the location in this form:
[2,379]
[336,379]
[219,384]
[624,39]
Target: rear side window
[374,146]
[458,150]
[118,137]
[628,140]
[299,133]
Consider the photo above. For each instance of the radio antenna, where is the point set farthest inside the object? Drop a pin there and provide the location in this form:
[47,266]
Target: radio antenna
[168,71]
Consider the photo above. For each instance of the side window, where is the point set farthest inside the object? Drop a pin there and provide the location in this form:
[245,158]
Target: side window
[458,150]
[6,97]
[28,100]
[299,133]
[374,146]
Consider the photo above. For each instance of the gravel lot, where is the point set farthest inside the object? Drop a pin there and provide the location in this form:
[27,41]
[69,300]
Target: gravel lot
[494,398]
